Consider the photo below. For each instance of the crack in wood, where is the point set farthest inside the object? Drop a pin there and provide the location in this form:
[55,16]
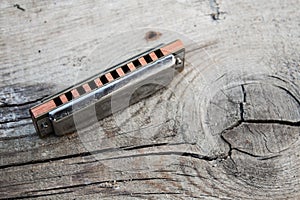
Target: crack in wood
[14,120]
[37,195]
[272,121]
[169,153]
[99,183]
[239,123]
[215,6]
[84,154]
[19,7]
[3,104]
[289,93]
[144,146]
[255,121]
[45,160]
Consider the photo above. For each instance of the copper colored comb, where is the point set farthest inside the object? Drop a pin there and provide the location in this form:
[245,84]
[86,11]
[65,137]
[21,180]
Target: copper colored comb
[104,93]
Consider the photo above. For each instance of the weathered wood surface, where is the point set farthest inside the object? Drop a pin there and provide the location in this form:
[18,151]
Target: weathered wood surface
[226,128]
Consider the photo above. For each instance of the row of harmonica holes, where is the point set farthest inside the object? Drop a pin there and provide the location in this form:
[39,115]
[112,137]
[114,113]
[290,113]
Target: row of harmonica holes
[104,80]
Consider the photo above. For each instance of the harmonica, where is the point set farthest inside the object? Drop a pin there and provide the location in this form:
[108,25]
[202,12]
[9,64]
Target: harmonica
[109,91]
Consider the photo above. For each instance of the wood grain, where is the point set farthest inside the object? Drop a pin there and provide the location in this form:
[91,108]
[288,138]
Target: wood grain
[226,128]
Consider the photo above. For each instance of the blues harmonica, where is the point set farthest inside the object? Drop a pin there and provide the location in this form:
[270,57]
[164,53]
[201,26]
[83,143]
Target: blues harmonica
[109,91]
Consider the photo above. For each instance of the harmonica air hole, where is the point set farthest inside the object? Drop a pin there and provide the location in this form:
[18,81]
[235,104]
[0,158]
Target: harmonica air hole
[148,58]
[125,69]
[136,63]
[57,101]
[92,85]
[158,53]
[80,90]
[103,79]
[114,74]
[69,95]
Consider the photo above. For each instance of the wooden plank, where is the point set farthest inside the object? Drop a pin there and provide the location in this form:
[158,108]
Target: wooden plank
[226,128]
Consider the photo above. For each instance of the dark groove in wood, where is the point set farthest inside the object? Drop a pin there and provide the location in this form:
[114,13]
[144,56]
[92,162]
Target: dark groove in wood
[22,104]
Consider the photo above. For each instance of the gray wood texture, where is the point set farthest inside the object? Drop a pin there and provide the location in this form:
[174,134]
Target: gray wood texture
[226,128]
